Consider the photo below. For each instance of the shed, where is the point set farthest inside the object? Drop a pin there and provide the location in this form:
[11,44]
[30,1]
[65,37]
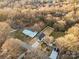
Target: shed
[40,36]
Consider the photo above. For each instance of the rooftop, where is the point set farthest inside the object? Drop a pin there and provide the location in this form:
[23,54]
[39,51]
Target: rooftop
[53,55]
[40,36]
[29,32]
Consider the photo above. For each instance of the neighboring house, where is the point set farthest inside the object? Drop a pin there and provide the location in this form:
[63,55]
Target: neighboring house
[54,54]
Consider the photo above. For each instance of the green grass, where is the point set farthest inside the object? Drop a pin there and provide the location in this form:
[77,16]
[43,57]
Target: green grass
[19,35]
[57,34]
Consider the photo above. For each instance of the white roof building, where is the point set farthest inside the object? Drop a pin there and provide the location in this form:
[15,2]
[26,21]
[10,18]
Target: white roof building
[53,55]
[29,33]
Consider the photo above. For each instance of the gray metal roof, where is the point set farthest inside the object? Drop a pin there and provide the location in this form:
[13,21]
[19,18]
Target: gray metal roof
[40,36]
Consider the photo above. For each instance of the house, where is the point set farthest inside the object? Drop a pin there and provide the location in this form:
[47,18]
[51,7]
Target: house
[38,38]
[44,35]
[29,33]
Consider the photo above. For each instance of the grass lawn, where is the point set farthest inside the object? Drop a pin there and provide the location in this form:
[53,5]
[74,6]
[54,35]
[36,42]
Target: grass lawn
[57,34]
[19,35]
